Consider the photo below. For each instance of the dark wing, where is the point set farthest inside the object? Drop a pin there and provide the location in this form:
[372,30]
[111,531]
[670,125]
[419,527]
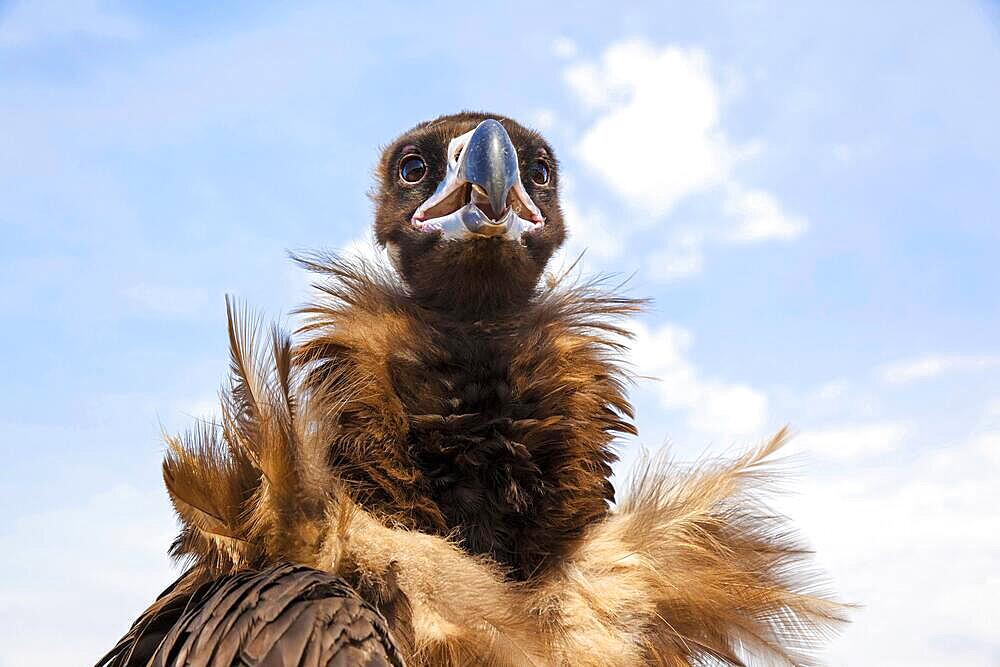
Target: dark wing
[284,615]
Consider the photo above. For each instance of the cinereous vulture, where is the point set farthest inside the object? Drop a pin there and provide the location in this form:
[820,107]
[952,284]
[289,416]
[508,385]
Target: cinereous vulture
[421,475]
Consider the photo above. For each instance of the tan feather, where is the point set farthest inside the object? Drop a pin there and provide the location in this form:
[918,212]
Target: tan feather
[251,494]
[726,576]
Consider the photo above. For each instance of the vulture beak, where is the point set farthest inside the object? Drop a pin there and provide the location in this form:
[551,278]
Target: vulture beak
[482,193]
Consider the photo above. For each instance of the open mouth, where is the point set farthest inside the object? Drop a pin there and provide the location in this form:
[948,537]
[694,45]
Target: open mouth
[482,193]
[470,205]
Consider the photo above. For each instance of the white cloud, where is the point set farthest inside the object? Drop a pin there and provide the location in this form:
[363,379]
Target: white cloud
[365,248]
[657,139]
[563,47]
[756,216]
[849,154]
[831,391]
[205,408]
[300,282]
[844,152]
[28,22]
[987,445]
[993,408]
[682,256]
[169,301]
[730,410]
[588,230]
[759,217]
[543,119]
[714,408]
[853,441]
[584,79]
[98,561]
[915,544]
[924,368]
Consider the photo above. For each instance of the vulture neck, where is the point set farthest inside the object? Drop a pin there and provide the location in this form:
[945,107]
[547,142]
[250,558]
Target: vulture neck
[471,296]
[484,309]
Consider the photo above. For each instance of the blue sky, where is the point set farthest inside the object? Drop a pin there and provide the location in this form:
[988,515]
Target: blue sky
[808,192]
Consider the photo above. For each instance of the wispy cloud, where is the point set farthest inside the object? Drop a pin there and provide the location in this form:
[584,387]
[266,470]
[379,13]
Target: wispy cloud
[993,408]
[30,22]
[542,120]
[926,368]
[589,229]
[170,301]
[758,216]
[680,256]
[564,47]
[853,441]
[714,408]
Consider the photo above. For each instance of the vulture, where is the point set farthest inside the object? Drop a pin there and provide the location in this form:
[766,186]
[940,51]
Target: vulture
[421,473]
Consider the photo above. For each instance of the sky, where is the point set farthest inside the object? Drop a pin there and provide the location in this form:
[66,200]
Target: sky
[807,192]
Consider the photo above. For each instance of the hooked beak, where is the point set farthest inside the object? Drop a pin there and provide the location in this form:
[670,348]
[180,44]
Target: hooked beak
[482,193]
[489,161]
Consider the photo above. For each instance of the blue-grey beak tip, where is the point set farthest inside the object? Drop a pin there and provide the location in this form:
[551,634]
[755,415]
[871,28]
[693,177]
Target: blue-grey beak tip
[490,161]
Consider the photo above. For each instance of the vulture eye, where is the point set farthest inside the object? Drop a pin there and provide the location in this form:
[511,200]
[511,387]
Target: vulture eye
[540,173]
[412,169]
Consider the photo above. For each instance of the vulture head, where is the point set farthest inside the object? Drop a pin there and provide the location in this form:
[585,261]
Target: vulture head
[468,207]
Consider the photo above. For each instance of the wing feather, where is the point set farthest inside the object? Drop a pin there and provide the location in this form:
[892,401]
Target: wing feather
[285,615]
